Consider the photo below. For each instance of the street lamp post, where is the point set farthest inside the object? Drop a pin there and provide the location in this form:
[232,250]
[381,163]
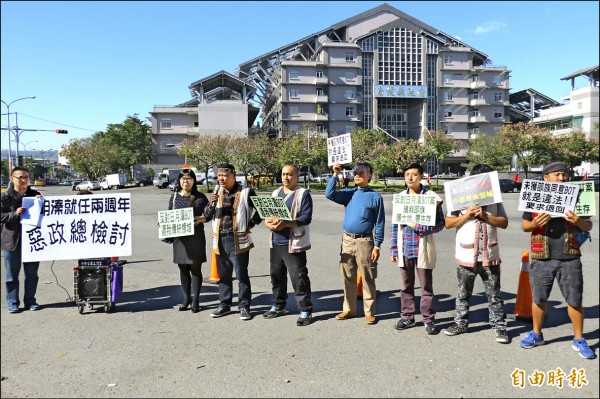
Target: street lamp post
[8,126]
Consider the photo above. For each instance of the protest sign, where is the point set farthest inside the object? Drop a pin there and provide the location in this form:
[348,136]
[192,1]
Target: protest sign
[80,226]
[586,204]
[481,189]
[552,198]
[268,206]
[339,149]
[418,209]
[176,223]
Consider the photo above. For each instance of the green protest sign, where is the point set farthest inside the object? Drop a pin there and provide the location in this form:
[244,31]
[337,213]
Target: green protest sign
[268,206]
[586,203]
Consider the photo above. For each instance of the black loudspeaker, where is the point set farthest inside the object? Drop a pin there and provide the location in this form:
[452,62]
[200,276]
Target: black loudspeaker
[91,283]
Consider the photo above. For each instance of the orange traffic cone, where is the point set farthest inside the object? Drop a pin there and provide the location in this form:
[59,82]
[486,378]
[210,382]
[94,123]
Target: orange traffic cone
[214,273]
[359,285]
[523,302]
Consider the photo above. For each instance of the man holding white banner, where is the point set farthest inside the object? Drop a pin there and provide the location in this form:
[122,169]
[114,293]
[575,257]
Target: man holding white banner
[556,254]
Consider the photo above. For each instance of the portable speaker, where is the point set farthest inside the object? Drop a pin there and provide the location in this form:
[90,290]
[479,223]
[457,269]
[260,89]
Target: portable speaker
[91,283]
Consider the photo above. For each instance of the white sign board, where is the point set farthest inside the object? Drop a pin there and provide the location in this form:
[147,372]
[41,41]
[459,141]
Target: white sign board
[269,206]
[176,223]
[550,197]
[80,226]
[339,149]
[418,209]
[481,189]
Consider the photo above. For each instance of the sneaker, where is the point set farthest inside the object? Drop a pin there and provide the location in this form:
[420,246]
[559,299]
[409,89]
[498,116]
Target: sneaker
[404,324]
[531,340]
[304,319]
[221,311]
[581,346]
[274,312]
[501,335]
[245,314]
[14,309]
[431,329]
[456,329]
[33,307]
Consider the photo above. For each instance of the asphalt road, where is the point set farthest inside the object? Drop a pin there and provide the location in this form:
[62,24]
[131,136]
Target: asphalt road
[149,349]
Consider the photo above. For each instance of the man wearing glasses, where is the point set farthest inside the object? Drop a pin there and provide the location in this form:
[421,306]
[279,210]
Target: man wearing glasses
[12,209]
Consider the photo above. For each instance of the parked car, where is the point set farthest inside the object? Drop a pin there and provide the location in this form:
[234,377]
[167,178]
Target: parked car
[88,185]
[65,183]
[211,181]
[325,177]
[509,186]
[261,179]
[593,179]
[39,183]
[74,184]
[302,178]
[144,181]
[240,177]
[173,185]
[51,182]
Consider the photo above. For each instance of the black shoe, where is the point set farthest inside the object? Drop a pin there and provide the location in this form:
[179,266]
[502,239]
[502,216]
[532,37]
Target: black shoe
[431,329]
[274,312]
[456,329]
[304,319]
[245,314]
[405,323]
[195,309]
[183,308]
[221,311]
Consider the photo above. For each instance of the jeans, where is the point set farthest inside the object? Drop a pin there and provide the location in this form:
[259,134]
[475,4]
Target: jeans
[228,262]
[407,293]
[12,261]
[282,263]
[491,282]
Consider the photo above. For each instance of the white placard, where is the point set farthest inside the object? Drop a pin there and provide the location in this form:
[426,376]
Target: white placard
[481,189]
[552,198]
[419,209]
[80,226]
[339,149]
[176,223]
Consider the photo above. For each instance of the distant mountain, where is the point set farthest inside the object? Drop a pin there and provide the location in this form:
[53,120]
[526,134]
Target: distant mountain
[35,154]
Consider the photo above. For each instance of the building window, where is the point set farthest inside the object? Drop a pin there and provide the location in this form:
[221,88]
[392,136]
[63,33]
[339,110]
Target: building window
[294,75]
[320,129]
[448,96]
[350,94]
[349,56]
[196,124]
[350,76]
[447,114]
[497,114]
[447,59]
[498,80]
[350,111]
[319,73]
[294,93]
[475,112]
[475,96]
[447,78]
[475,78]
[294,110]
[320,91]
[294,128]
[498,97]
[165,124]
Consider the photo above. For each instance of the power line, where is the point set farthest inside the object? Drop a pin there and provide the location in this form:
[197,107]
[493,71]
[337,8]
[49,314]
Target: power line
[58,123]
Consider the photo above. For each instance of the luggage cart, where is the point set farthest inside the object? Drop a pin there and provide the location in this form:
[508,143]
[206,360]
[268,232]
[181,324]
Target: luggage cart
[97,282]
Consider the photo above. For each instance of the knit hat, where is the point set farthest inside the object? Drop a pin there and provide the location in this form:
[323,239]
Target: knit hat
[554,166]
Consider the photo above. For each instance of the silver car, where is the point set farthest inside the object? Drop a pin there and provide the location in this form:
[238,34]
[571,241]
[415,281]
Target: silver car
[88,185]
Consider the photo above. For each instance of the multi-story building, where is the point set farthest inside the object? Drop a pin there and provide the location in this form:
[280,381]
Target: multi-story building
[380,69]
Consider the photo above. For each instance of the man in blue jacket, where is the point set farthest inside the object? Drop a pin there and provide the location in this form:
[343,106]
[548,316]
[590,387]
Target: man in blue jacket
[360,249]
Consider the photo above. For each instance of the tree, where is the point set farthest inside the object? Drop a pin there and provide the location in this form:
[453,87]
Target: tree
[134,137]
[530,143]
[574,148]
[439,145]
[294,150]
[92,156]
[205,152]
[488,150]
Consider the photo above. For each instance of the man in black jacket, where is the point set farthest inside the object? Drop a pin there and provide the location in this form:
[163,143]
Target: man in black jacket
[12,209]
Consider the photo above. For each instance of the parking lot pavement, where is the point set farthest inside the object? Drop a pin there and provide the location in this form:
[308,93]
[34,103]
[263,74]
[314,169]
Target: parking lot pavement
[149,349]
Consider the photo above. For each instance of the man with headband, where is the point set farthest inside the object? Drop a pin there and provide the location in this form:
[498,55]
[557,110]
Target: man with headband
[233,215]
[556,254]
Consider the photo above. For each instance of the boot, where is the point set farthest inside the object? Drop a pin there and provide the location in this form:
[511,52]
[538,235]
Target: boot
[196,285]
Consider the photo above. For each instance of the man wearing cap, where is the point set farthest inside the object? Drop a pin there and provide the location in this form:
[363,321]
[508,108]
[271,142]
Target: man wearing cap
[233,215]
[364,212]
[556,254]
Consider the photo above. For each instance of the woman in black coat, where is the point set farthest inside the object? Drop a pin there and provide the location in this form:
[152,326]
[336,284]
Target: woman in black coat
[189,252]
